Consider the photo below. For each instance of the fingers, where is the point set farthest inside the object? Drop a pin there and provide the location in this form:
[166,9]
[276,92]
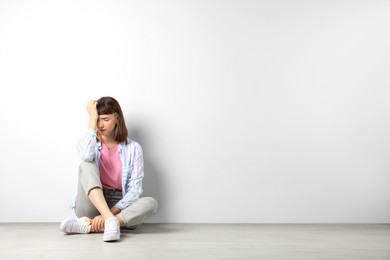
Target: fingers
[97,224]
[91,108]
[97,227]
[92,102]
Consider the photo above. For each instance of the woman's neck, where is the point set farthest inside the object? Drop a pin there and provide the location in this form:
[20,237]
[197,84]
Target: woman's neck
[109,142]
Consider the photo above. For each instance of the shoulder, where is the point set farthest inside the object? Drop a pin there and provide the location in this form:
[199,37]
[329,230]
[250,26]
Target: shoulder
[132,146]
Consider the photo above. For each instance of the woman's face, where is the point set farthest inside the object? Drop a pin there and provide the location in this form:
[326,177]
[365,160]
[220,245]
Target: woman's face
[106,125]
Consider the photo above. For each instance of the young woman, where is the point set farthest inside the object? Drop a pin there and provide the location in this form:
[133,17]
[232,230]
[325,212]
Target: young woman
[110,176]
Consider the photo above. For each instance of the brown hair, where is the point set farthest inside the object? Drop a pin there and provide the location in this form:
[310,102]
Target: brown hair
[109,105]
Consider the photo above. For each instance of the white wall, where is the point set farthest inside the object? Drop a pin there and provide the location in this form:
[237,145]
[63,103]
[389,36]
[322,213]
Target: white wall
[248,111]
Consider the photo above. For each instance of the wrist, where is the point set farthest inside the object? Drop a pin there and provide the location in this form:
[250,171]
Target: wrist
[115,210]
[92,123]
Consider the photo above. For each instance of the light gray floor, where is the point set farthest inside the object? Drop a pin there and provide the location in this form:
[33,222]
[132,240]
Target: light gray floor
[201,241]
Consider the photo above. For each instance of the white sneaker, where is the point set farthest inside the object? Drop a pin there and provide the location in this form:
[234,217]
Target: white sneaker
[84,219]
[111,230]
[74,226]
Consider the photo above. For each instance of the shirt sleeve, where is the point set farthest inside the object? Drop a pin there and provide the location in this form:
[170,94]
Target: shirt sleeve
[86,146]
[134,183]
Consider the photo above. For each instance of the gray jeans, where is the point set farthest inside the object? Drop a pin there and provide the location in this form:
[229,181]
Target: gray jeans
[89,178]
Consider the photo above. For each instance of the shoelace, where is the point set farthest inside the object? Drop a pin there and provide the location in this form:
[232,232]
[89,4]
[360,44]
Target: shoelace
[79,228]
[111,224]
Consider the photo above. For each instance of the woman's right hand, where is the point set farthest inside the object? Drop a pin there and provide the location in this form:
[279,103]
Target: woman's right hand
[97,224]
[91,108]
[93,114]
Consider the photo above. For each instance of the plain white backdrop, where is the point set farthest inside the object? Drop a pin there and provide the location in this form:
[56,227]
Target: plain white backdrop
[247,111]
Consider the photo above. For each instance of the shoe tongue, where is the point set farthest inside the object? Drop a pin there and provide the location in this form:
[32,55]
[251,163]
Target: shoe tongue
[111,223]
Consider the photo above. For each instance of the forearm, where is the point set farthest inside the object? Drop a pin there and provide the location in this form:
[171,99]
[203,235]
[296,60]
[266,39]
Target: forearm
[92,122]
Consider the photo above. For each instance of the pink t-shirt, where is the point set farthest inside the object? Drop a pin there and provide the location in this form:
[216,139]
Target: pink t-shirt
[110,168]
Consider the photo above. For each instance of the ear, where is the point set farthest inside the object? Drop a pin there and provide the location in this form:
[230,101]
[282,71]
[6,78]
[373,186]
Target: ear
[117,117]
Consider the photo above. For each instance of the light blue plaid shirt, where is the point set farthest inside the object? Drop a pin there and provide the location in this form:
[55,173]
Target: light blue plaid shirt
[131,157]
